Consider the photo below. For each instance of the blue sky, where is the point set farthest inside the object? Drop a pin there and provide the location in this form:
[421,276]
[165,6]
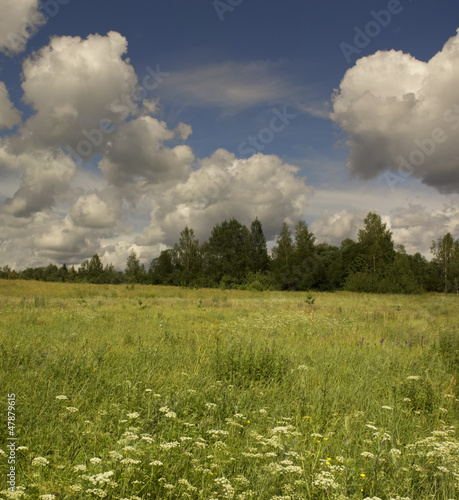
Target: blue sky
[241,122]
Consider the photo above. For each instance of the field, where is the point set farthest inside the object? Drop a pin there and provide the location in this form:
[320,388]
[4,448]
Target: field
[141,392]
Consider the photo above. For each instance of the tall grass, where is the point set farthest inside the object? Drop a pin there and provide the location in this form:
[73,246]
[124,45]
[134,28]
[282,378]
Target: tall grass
[149,392]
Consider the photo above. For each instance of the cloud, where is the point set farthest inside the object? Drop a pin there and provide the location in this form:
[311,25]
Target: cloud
[334,228]
[45,175]
[224,186]
[97,210]
[9,115]
[137,152]
[416,226]
[230,85]
[60,240]
[18,22]
[402,114]
[45,238]
[73,84]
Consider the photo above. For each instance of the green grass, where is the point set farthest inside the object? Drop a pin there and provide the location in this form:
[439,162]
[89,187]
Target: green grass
[211,394]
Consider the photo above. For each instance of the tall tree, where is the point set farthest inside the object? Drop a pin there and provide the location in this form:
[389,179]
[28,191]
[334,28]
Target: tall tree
[163,269]
[258,248]
[377,245]
[283,258]
[92,271]
[304,259]
[134,272]
[446,254]
[188,257]
[228,252]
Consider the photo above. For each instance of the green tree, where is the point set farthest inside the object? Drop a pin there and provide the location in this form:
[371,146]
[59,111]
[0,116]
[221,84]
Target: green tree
[328,267]
[227,253]
[134,272]
[163,269]
[112,276]
[283,259]
[188,257]
[91,271]
[377,245]
[304,259]
[446,255]
[258,249]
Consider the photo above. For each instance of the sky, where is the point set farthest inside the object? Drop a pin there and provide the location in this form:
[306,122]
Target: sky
[123,122]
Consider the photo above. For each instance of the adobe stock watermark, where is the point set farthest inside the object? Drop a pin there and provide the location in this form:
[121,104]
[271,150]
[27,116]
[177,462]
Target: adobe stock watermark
[372,29]
[223,6]
[278,123]
[426,147]
[48,10]
[127,105]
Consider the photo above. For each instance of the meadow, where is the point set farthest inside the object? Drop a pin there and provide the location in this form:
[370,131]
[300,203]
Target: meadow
[140,392]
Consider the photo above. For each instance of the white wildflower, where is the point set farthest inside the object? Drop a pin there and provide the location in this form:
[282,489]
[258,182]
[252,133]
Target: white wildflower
[184,482]
[216,433]
[130,461]
[61,396]
[97,492]
[40,461]
[168,446]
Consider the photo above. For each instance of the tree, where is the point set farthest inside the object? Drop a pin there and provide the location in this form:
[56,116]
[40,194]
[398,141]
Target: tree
[446,254]
[163,269]
[304,261]
[92,271]
[258,249]
[377,245]
[227,253]
[282,258]
[134,272]
[188,257]
[328,267]
[112,276]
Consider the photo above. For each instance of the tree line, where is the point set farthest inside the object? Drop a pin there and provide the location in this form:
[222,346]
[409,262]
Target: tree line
[236,256]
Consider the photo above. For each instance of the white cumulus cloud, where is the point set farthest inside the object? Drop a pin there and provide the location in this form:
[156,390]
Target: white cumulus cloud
[73,84]
[9,115]
[402,115]
[19,19]
[224,187]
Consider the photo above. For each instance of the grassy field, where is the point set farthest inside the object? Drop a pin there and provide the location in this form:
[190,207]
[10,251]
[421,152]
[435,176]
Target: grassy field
[144,392]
